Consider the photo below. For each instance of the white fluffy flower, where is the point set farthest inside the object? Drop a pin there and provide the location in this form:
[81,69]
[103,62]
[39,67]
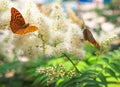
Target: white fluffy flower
[59,49]
[31,13]
[5,20]
[44,31]
[4,14]
[6,47]
[49,50]
[3,5]
[57,37]
[59,20]
[107,26]
[74,36]
[28,45]
[77,52]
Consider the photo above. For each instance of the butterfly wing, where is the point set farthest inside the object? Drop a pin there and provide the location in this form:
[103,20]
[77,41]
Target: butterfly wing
[89,37]
[17,20]
[27,30]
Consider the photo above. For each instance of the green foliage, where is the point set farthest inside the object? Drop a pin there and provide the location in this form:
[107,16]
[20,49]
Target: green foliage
[7,66]
[94,71]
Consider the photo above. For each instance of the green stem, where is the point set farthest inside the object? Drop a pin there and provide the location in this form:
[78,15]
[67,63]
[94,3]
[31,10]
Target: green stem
[71,62]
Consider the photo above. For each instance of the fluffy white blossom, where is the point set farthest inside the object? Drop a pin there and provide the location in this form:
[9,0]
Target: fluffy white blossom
[28,45]
[59,49]
[4,14]
[58,17]
[57,37]
[6,46]
[74,36]
[3,5]
[55,34]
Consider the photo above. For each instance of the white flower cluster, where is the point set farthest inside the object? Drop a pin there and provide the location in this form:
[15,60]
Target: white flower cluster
[54,72]
[4,14]
[6,46]
[55,34]
[3,5]
[59,18]
[105,43]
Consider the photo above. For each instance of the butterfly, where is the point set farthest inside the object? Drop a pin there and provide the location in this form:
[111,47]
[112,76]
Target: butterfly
[89,37]
[18,25]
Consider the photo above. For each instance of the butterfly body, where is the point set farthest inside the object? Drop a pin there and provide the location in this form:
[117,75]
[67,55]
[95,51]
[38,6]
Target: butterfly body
[18,25]
[89,37]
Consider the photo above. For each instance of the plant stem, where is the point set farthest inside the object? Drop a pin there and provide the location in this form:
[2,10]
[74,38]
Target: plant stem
[71,62]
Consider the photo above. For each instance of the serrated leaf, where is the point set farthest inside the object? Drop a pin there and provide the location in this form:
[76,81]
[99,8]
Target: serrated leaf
[90,73]
[99,65]
[42,80]
[105,60]
[70,82]
[117,63]
[91,81]
[92,85]
[115,67]
[102,78]
[111,72]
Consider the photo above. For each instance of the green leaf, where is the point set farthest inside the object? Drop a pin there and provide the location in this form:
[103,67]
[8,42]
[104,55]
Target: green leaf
[89,73]
[40,79]
[91,81]
[68,83]
[115,67]
[8,66]
[59,81]
[92,85]
[99,65]
[102,78]
[105,60]
[111,72]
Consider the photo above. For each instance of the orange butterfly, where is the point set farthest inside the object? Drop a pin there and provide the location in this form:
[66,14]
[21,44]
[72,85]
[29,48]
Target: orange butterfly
[18,25]
[89,37]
